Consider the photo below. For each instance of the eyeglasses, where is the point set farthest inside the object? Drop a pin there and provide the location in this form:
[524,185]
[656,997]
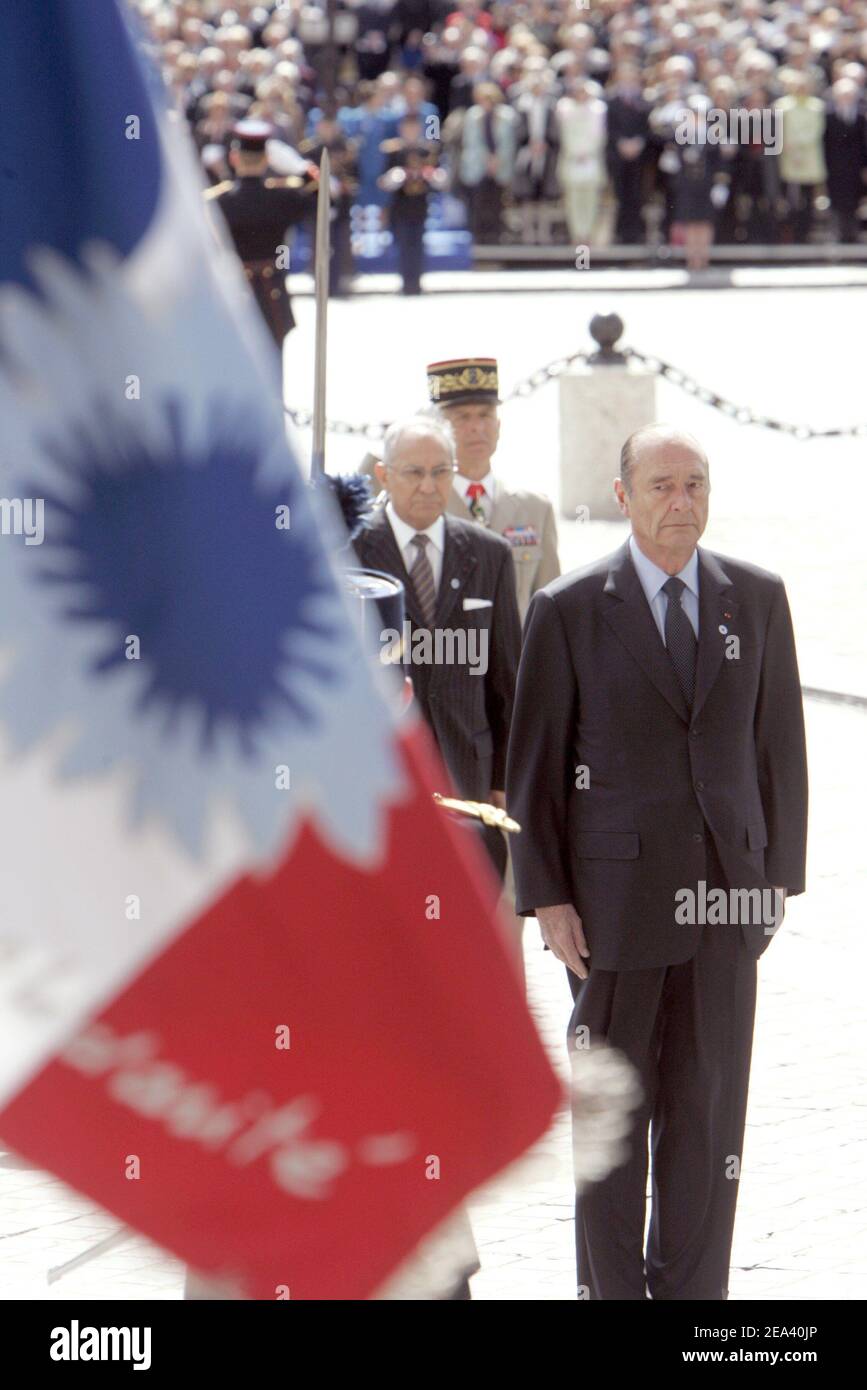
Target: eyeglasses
[417,475]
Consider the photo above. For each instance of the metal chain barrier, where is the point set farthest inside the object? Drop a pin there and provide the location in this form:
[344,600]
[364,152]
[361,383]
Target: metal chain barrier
[742,415]
[304,420]
[543,375]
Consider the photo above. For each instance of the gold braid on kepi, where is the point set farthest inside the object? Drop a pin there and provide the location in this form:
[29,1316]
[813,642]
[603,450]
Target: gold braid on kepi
[478,810]
[463,380]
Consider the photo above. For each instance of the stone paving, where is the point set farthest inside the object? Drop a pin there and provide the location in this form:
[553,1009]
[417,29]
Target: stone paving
[794,508]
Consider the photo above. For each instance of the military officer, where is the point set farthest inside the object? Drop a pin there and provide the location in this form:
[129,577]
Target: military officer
[258,210]
[466,391]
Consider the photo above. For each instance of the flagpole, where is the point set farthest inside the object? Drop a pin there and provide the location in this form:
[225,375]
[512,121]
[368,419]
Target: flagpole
[320,271]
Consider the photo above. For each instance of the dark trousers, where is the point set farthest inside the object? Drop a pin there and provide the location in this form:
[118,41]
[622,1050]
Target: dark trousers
[340,266]
[486,212]
[409,237]
[627,178]
[687,1029]
[848,225]
[800,218]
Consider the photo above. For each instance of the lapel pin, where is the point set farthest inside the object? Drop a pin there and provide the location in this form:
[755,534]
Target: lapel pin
[726,615]
[723,629]
[456,583]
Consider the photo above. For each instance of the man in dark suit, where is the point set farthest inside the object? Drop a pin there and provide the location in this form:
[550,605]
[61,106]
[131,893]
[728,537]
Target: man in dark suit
[845,156]
[461,607]
[657,766]
[628,136]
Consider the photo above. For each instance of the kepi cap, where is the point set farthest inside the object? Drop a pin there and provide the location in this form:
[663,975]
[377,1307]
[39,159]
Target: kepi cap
[463,380]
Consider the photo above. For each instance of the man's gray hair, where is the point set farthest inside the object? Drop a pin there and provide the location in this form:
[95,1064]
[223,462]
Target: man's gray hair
[425,422]
[659,432]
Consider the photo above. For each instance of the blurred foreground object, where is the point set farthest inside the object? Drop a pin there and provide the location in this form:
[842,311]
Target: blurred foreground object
[480,810]
[190,694]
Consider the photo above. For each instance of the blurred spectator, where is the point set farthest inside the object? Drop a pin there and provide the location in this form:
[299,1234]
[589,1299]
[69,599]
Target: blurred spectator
[470,12]
[224,59]
[802,158]
[582,120]
[367,126]
[372,48]
[488,149]
[328,135]
[537,136]
[628,132]
[723,94]
[276,103]
[212,133]
[412,176]
[699,186]
[441,56]
[757,187]
[473,65]
[845,156]
[413,102]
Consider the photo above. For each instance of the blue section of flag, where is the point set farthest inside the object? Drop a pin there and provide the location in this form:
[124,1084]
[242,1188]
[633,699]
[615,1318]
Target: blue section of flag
[184,549]
[177,616]
[69,173]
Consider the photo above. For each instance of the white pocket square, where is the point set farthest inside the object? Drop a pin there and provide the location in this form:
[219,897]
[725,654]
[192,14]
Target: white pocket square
[477,603]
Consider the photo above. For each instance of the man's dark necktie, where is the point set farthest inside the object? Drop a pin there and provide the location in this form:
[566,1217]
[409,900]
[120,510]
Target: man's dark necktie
[680,640]
[422,578]
[490,137]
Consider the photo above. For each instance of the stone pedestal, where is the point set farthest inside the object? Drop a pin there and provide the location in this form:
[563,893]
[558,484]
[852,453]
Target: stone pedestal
[599,407]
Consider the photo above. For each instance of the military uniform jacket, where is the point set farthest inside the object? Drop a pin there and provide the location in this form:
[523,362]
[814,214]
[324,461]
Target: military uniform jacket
[469,714]
[526,521]
[258,213]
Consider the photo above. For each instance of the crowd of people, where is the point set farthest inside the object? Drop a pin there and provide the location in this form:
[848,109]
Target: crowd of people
[551,120]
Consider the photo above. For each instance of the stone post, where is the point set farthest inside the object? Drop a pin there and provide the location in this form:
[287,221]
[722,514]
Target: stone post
[601,403]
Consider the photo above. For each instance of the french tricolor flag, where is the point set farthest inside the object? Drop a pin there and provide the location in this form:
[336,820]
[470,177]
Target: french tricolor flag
[253,995]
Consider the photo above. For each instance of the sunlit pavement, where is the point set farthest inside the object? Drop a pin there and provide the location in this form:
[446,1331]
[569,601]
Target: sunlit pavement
[795,508]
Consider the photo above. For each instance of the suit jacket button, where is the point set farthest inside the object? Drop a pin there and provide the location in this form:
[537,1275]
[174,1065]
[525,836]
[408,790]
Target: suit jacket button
[698,837]
[699,786]
[694,733]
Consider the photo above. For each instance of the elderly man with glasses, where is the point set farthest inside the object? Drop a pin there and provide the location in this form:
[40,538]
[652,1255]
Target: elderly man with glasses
[460,591]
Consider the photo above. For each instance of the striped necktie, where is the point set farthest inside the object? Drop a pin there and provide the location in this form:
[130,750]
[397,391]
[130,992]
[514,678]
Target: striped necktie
[680,639]
[422,578]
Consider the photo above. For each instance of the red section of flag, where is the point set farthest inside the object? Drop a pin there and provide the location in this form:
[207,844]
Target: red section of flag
[413,1071]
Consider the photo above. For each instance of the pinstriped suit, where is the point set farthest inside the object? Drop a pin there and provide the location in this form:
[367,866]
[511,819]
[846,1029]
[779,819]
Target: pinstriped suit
[470,715]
